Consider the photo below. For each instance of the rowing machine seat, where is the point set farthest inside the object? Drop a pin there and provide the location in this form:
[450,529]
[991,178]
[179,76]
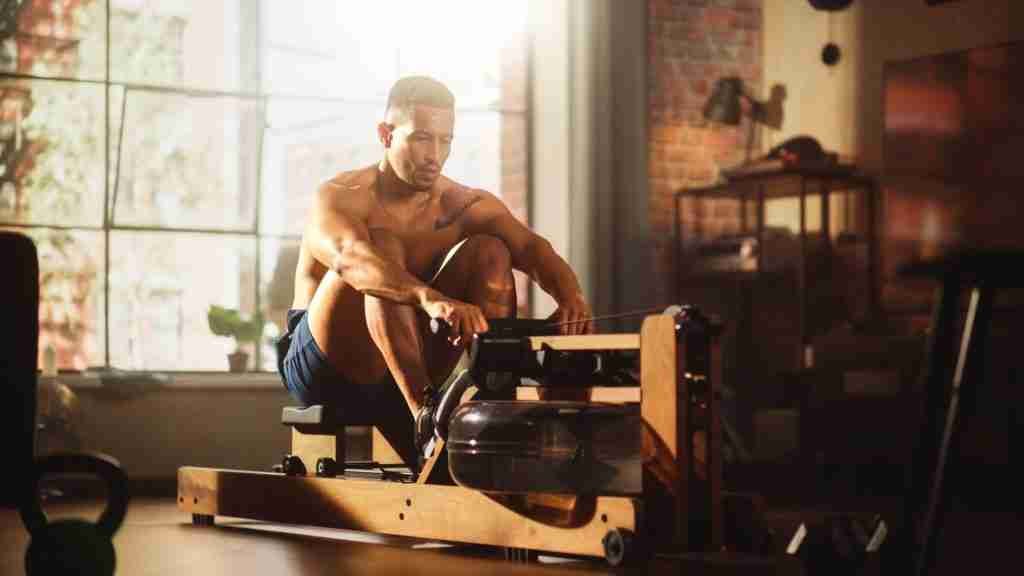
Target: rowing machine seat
[321,419]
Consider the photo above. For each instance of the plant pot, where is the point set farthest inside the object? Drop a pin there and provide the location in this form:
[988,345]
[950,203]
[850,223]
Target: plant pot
[238,361]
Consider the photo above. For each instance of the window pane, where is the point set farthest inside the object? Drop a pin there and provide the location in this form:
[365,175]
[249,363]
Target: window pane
[186,43]
[437,39]
[306,143]
[163,285]
[188,161]
[114,122]
[336,49]
[278,259]
[54,39]
[70,295]
[475,158]
[513,190]
[51,153]
[321,48]
[514,159]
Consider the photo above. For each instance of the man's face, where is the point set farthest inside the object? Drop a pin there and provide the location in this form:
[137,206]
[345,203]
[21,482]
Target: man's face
[420,144]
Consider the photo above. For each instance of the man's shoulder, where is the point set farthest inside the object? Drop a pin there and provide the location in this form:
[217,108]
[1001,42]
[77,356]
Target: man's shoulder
[361,179]
[455,194]
[351,189]
[457,199]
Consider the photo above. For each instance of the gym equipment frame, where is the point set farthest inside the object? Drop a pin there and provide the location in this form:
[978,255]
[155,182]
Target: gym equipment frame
[679,509]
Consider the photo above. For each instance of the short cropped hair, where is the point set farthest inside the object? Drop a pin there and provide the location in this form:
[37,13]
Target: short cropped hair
[412,90]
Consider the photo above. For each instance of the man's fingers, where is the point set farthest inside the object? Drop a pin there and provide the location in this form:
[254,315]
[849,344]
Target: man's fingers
[584,324]
[588,325]
[468,326]
[454,332]
[574,322]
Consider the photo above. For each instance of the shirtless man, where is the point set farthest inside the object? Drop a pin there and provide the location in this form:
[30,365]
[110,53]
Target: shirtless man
[391,246]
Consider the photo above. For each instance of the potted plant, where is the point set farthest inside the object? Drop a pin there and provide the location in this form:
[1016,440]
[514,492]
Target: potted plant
[230,322]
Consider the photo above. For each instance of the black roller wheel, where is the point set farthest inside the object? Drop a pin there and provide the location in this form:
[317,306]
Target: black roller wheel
[292,465]
[326,467]
[520,555]
[202,519]
[619,546]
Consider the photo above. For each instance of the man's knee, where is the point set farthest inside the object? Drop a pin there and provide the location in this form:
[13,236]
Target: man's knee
[490,253]
[389,245]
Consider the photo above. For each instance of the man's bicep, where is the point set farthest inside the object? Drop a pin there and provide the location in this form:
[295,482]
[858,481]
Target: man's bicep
[339,225]
[333,226]
[490,216]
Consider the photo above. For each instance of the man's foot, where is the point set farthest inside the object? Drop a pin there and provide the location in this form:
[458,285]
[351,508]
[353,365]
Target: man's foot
[424,433]
[432,420]
[449,398]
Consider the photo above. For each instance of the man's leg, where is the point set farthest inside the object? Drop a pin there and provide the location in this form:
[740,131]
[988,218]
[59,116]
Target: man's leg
[480,272]
[396,329]
[362,337]
[365,337]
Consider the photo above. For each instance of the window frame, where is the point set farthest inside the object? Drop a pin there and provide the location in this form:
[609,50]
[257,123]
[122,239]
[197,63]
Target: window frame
[253,232]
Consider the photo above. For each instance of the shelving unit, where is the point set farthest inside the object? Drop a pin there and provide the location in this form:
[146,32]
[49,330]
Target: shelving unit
[781,254]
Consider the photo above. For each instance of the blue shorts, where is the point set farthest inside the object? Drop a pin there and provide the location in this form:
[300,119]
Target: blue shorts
[310,380]
[304,368]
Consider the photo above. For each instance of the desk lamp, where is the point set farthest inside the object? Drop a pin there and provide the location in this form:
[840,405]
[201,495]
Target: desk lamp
[724,106]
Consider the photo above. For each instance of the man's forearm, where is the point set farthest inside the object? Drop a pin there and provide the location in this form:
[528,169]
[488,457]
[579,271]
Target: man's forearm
[551,272]
[362,266]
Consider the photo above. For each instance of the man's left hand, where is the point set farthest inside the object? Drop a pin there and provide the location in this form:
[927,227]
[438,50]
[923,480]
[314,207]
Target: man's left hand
[573,316]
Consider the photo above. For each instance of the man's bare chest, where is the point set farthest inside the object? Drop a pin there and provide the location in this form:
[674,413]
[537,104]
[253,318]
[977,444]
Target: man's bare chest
[412,223]
[426,236]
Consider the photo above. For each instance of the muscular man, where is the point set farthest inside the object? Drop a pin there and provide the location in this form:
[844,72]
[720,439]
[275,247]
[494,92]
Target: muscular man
[389,247]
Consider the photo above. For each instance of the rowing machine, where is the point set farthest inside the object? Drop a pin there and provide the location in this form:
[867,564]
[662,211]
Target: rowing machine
[675,508]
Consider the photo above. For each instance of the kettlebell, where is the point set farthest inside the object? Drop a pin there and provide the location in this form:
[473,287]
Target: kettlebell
[74,546]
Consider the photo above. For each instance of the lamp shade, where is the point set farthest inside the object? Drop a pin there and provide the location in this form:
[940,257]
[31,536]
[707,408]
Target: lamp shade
[724,103]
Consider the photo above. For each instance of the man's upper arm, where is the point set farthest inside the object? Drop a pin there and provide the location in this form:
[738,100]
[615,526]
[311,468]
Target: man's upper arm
[490,216]
[335,222]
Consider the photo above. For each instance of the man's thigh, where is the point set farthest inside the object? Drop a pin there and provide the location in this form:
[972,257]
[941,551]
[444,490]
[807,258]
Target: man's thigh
[455,271]
[442,264]
[337,321]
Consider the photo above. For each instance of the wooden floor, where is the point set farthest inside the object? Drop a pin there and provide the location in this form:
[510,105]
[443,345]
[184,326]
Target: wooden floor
[157,539]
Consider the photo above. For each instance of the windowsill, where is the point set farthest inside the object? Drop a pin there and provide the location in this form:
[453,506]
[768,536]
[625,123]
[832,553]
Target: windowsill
[146,381]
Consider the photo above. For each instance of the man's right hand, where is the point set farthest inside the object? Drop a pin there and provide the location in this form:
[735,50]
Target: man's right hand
[463,320]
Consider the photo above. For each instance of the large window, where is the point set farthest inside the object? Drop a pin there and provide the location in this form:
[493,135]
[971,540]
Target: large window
[163,154]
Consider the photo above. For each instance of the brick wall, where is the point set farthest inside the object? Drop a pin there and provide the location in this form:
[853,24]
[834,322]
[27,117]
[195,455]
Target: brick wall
[691,44]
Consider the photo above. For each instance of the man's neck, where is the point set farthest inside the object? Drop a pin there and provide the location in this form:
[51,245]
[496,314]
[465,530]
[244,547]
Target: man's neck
[392,188]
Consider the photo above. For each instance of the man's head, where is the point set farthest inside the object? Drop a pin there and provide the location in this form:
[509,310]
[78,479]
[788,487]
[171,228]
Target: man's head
[418,128]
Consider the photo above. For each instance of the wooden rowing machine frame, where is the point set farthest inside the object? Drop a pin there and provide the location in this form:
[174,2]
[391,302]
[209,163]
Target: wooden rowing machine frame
[679,509]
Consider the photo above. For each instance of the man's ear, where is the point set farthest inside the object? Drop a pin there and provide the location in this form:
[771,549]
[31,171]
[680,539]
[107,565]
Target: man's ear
[384,132]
